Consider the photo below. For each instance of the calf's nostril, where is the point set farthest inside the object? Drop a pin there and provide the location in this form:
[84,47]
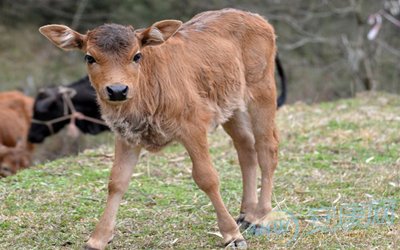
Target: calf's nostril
[125,91]
[109,90]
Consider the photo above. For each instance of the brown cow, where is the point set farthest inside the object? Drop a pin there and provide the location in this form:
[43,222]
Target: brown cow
[15,116]
[174,81]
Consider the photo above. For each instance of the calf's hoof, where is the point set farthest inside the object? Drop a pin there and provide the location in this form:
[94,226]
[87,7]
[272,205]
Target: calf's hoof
[236,244]
[97,244]
[240,219]
[244,225]
[86,247]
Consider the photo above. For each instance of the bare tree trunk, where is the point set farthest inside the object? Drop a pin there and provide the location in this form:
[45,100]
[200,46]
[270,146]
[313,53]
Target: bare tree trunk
[359,54]
[78,14]
[365,73]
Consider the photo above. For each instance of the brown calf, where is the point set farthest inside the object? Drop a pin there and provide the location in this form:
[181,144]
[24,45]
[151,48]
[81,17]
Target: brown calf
[15,117]
[174,81]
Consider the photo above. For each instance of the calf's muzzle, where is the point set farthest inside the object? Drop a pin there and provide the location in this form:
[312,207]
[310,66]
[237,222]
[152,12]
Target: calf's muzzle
[117,92]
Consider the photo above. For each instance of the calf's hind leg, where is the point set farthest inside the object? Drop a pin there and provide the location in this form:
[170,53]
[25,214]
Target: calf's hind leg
[239,129]
[206,178]
[262,112]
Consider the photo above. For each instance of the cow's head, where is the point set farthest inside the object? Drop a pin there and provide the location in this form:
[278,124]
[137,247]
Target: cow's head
[48,106]
[13,159]
[113,54]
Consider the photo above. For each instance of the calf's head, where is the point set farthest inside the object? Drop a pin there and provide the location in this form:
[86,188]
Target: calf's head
[113,54]
[13,159]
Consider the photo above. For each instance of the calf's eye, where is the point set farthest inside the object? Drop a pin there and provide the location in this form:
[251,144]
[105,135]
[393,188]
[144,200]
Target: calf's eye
[137,57]
[89,59]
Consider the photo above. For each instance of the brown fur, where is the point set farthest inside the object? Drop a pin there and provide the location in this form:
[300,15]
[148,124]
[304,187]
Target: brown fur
[112,38]
[218,68]
[15,116]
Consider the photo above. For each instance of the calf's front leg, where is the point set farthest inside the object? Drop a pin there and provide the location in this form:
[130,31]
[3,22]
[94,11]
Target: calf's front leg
[126,158]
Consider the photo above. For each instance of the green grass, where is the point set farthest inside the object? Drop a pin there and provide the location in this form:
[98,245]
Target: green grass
[335,159]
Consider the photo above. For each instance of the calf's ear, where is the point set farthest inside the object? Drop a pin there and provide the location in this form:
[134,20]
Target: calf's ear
[63,36]
[159,32]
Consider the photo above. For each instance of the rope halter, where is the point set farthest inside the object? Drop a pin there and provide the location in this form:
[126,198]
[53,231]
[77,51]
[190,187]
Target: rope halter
[69,112]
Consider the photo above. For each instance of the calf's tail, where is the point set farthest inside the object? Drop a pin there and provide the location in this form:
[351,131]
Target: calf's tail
[282,97]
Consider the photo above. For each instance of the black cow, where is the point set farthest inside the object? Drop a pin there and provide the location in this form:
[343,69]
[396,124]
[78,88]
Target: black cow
[50,107]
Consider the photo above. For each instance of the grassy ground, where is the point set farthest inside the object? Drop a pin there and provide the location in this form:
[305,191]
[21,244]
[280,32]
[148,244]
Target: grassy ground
[338,183]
